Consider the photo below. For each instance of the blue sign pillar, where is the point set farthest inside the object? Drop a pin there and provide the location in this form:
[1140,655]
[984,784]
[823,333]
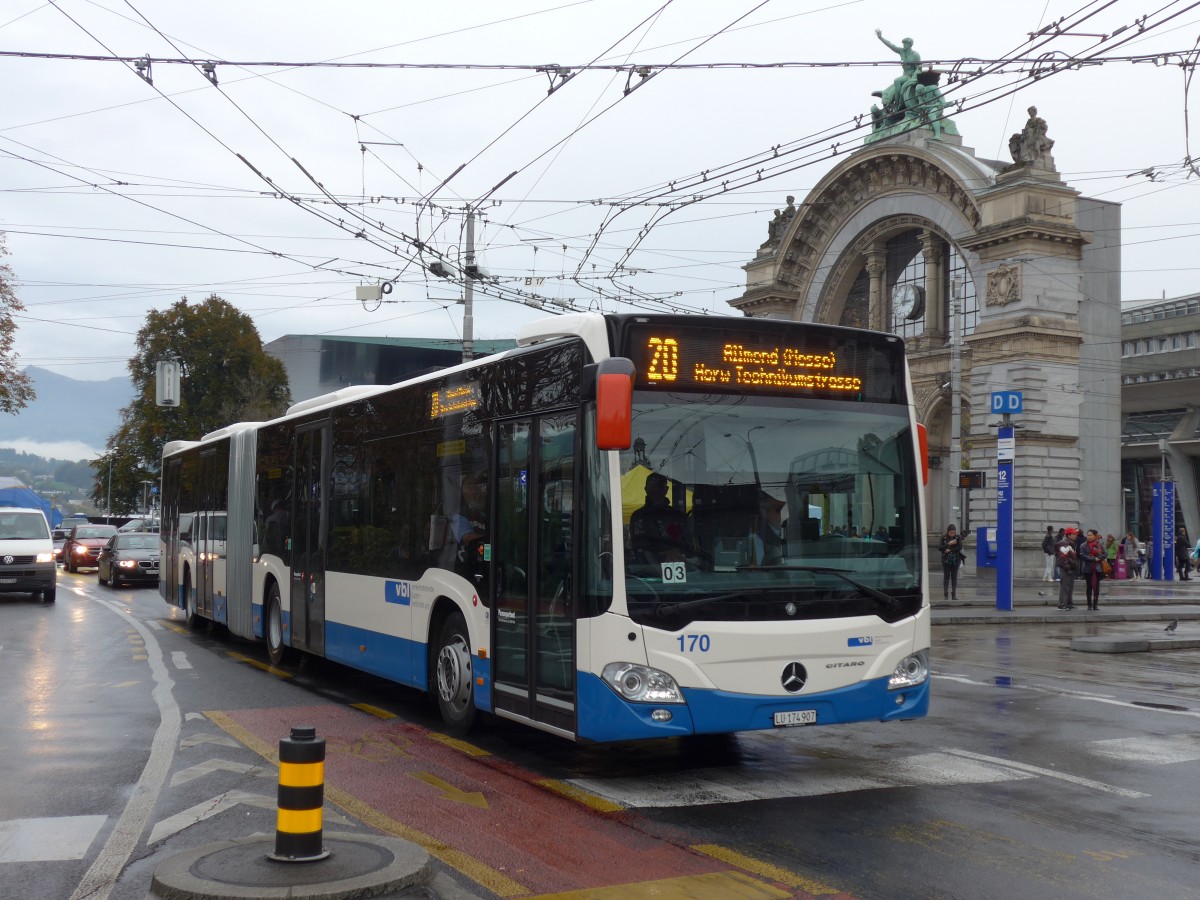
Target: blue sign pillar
[1162,532]
[1005,458]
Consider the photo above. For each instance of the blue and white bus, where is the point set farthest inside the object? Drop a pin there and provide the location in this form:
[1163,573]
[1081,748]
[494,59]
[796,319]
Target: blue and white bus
[630,526]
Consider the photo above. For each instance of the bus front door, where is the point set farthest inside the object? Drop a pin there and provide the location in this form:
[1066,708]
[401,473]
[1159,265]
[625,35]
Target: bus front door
[533,618]
[310,517]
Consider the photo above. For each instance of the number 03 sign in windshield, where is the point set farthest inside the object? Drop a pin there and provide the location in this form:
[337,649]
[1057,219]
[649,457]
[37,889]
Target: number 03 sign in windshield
[693,359]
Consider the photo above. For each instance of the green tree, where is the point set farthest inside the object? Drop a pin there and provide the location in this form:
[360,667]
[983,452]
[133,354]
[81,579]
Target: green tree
[16,388]
[226,377]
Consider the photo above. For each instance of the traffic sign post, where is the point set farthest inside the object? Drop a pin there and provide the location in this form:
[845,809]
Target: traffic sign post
[1162,534]
[1007,403]
[1005,457]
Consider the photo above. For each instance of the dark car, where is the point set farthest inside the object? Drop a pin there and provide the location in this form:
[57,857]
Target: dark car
[82,547]
[128,556]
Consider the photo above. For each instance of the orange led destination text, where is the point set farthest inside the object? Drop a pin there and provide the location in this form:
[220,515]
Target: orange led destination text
[776,367]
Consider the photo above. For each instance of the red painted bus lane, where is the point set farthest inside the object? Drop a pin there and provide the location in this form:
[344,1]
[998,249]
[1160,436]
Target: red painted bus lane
[500,827]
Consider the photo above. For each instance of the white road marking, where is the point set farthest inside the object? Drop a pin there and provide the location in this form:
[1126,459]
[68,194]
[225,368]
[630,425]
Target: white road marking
[101,877]
[220,740]
[1077,695]
[220,804]
[179,659]
[703,787]
[1166,750]
[48,840]
[191,773]
[1050,773]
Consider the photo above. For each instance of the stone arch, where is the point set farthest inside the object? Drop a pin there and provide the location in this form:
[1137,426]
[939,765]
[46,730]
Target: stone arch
[878,185]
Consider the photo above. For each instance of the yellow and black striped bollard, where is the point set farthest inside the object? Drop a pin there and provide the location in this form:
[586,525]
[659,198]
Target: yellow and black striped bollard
[301,797]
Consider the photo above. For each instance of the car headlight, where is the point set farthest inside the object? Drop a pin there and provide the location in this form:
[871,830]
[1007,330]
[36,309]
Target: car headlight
[80,549]
[641,684]
[912,671]
[45,557]
[127,563]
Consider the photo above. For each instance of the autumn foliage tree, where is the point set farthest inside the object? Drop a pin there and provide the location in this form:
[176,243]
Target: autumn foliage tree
[16,388]
[226,377]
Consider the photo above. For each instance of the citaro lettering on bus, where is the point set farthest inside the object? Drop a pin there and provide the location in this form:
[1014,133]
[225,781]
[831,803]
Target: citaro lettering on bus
[398,592]
[664,365]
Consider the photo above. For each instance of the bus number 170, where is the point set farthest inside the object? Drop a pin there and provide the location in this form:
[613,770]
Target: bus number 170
[693,643]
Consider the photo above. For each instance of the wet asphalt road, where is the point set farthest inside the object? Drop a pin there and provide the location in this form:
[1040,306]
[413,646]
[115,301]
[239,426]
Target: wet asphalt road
[1039,772]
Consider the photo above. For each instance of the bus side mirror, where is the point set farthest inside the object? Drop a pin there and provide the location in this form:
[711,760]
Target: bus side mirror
[614,404]
[923,440]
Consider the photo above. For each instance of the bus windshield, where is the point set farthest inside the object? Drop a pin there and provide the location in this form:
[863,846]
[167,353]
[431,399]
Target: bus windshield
[762,508]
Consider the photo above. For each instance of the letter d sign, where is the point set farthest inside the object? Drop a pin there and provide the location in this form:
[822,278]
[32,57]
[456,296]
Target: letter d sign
[1007,402]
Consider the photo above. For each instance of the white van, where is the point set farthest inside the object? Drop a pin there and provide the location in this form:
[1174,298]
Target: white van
[26,553]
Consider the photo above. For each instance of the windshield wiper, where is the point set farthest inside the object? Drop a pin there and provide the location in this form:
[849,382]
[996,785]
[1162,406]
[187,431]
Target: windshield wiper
[669,609]
[887,601]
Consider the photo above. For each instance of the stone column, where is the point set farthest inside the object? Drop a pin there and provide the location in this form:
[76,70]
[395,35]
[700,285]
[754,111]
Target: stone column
[935,298]
[879,306]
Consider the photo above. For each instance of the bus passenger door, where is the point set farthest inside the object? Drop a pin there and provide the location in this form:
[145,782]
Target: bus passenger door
[533,618]
[200,532]
[309,517]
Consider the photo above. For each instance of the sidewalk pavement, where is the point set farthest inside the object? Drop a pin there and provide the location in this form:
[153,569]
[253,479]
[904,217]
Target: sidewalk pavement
[1035,602]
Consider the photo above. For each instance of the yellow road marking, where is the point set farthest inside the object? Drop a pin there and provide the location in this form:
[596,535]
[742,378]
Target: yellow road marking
[481,873]
[450,792]
[375,711]
[249,660]
[766,870]
[714,886]
[174,626]
[461,746]
[580,796]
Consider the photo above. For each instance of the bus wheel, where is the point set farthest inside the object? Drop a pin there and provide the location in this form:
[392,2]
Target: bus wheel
[455,681]
[192,619]
[276,650]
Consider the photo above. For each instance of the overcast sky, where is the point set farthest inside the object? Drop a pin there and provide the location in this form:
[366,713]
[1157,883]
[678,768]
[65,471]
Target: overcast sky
[121,196]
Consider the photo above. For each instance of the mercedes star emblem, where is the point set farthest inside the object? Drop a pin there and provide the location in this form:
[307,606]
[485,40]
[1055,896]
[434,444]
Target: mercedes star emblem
[794,677]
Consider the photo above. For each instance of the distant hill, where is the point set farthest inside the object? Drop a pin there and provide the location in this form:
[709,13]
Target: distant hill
[70,419]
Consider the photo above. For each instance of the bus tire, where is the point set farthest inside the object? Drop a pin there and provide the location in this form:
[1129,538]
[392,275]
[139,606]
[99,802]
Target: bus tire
[192,618]
[454,675]
[277,651]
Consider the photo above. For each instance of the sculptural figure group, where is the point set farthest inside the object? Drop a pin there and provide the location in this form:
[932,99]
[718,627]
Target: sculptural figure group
[913,98]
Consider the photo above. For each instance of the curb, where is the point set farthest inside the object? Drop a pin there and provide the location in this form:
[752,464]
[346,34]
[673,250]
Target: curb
[1131,644]
[357,866]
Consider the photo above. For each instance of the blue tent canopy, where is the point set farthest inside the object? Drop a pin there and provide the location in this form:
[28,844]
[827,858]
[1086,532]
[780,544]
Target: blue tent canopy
[14,493]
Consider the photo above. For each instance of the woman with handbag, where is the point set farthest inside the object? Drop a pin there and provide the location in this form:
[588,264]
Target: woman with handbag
[952,556]
[1092,559]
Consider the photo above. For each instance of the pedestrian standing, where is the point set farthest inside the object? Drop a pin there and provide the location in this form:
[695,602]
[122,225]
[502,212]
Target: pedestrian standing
[952,557]
[1130,548]
[1183,555]
[1048,548]
[1067,560]
[1091,560]
[1058,540]
[1111,549]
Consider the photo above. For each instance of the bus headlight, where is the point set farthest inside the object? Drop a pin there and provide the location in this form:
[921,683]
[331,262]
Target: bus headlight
[641,684]
[912,671]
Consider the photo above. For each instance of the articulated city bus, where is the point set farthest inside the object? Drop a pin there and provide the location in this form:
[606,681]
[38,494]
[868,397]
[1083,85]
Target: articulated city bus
[630,526]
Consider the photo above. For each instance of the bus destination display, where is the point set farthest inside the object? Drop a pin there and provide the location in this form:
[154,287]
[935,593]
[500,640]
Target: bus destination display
[686,359]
